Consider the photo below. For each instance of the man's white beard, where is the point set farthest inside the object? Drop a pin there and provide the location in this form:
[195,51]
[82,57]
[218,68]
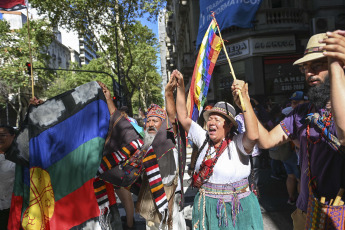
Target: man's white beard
[148,139]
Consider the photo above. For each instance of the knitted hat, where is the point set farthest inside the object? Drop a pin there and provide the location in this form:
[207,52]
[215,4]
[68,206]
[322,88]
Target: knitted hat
[156,111]
[312,51]
[224,109]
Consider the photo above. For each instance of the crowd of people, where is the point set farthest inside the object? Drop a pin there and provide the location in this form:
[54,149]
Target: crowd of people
[305,136]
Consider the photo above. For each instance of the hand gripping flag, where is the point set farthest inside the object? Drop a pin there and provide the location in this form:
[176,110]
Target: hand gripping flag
[12,5]
[209,50]
[62,140]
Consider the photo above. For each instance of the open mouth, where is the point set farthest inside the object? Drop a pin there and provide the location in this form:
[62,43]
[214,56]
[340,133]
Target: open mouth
[212,131]
[151,131]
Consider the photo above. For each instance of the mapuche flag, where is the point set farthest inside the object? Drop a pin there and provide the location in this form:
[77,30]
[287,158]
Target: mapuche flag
[12,5]
[209,51]
[63,140]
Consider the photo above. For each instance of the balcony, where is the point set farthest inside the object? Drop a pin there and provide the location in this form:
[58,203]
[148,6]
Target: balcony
[268,21]
[282,17]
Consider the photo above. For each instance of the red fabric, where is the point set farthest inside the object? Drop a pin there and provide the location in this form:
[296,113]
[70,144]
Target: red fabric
[16,212]
[8,4]
[75,208]
[152,168]
[155,181]
[111,193]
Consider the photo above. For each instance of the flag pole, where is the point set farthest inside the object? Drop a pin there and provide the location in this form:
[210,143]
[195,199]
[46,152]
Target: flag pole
[232,70]
[30,53]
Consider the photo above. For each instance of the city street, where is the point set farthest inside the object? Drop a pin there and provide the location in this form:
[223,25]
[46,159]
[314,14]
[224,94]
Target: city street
[273,201]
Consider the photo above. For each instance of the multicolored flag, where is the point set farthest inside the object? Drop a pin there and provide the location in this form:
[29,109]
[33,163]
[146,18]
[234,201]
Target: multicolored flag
[209,50]
[63,141]
[12,5]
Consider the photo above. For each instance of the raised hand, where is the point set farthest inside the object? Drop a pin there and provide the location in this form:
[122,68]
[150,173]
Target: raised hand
[178,78]
[239,86]
[170,87]
[335,46]
[105,90]
[35,101]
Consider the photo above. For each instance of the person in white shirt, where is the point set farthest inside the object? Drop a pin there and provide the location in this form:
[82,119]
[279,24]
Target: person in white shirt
[223,166]
[7,171]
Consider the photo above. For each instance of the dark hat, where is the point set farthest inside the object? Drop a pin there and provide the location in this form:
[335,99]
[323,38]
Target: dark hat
[224,109]
[298,96]
[124,109]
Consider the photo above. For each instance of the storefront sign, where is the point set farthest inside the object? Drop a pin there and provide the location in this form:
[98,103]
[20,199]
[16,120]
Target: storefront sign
[273,44]
[289,83]
[281,77]
[234,50]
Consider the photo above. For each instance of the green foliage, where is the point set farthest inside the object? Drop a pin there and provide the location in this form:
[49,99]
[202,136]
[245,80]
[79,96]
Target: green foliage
[14,53]
[120,39]
[67,80]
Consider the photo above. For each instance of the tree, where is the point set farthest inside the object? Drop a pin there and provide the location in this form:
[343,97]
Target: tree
[113,22]
[15,84]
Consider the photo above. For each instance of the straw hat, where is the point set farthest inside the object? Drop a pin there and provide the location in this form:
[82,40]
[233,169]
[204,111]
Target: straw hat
[224,109]
[312,51]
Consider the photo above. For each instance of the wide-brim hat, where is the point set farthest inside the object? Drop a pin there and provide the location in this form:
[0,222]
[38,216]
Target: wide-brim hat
[224,109]
[312,52]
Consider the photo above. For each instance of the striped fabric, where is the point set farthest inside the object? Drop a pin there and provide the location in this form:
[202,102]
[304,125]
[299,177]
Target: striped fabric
[101,193]
[155,180]
[204,65]
[109,161]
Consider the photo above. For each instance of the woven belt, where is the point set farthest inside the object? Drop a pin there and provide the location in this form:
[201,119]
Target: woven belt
[224,193]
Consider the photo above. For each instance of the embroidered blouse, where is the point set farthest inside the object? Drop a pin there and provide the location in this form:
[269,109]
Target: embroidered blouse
[233,165]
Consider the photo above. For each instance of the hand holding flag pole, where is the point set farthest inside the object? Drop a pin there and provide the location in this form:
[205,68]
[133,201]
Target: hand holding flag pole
[227,57]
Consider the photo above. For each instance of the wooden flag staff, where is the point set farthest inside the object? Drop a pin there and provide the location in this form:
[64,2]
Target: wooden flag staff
[232,70]
[32,76]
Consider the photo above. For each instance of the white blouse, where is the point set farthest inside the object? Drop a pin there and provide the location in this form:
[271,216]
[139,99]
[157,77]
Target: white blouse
[233,164]
[7,170]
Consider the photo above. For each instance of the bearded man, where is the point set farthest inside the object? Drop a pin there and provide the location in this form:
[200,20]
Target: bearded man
[318,127]
[160,132]
[146,163]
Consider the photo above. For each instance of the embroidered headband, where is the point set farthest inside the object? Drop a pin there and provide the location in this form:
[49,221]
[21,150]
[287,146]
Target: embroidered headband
[156,111]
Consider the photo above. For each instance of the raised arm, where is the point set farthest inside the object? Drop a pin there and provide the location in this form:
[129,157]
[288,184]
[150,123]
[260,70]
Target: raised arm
[251,134]
[181,108]
[269,139]
[335,51]
[110,103]
[264,139]
[170,103]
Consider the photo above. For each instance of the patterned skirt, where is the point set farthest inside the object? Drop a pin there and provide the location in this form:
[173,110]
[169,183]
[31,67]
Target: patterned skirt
[226,206]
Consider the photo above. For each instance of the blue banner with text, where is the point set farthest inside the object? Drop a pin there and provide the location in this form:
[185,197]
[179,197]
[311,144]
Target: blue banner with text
[228,13]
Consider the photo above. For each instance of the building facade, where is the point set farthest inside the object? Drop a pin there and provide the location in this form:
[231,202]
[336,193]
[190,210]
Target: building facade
[261,55]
